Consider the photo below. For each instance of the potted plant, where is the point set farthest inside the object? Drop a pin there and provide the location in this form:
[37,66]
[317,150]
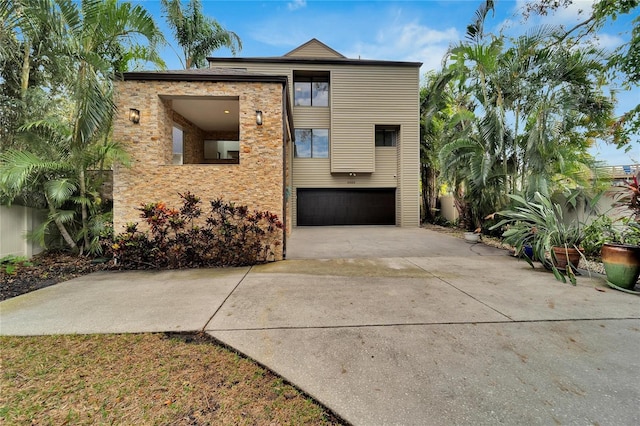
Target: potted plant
[540,224]
[621,248]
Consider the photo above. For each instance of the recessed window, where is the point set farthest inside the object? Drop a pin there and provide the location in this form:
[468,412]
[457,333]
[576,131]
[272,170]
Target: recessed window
[178,145]
[387,135]
[222,152]
[311,88]
[312,143]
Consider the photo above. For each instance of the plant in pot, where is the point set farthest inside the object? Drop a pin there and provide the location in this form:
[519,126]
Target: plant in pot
[621,249]
[540,224]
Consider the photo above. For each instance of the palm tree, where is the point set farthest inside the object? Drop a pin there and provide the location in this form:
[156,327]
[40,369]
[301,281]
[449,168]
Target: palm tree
[537,104]
[92,42]
[197,34]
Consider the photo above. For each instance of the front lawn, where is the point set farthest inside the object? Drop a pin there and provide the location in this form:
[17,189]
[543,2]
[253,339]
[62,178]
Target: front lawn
[143,379]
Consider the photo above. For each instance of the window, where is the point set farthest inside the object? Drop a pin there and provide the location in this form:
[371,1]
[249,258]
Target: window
[222,152]
[178,145]
[312,143]
[311,88]
[387,135]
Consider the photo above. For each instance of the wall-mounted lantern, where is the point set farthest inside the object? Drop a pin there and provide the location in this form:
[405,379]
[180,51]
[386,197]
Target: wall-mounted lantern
[259,118]
[134,115]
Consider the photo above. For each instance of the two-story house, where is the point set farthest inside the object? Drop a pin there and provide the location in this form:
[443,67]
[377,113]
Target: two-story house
[313,136]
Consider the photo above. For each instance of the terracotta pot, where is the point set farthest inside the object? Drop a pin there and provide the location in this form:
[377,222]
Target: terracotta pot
[622,264]
[561,254]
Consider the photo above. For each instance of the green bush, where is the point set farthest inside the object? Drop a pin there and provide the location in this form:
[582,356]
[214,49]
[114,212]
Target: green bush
[228,236]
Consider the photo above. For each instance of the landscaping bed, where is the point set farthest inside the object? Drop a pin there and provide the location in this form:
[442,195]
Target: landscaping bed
[44,270]
[592,265]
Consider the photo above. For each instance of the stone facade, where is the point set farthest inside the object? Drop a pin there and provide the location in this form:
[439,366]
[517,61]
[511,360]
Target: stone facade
[256,181]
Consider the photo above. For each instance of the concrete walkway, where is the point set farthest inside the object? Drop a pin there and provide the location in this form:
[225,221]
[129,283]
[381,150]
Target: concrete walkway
[446,333]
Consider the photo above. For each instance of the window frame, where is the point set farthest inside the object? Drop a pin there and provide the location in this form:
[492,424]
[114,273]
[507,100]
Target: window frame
[393,130]
[311,77]
[311,142]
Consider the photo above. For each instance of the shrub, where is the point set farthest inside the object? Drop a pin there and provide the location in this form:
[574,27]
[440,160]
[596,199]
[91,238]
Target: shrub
[228,235]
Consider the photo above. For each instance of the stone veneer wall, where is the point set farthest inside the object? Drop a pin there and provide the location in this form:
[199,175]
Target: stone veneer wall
[192,140]
[256,181]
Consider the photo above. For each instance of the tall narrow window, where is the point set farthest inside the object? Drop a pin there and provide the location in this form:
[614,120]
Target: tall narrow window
[178,145]
[311,88]
[312,143]
[387,135]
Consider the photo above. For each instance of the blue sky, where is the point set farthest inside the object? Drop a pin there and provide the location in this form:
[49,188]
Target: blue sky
[392,30]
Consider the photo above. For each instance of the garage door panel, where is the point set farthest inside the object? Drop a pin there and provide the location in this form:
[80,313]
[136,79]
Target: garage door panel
[346,207]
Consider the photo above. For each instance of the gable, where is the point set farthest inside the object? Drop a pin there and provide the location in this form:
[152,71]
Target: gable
[314,49]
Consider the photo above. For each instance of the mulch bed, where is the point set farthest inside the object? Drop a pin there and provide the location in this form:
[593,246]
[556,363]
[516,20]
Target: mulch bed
[47,269]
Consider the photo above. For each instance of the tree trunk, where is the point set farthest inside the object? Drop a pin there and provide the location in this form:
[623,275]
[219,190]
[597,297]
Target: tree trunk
[26,66]
[429,192]
[83,207]
[63,230]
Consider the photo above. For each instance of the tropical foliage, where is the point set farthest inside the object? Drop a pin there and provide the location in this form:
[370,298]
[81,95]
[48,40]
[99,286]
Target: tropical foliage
[540,224]
[198,35]
[517,115]
[228,235]
[59,59]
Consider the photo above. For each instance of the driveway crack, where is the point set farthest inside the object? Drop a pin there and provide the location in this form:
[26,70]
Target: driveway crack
[461,291]
[225,299]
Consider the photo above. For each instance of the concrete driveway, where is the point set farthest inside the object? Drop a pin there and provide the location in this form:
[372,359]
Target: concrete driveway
[442,333]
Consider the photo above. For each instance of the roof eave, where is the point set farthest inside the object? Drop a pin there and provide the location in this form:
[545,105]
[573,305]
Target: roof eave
[160,76]
[317,61]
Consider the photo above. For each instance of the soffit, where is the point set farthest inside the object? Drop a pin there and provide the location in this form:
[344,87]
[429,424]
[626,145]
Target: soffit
[209,113]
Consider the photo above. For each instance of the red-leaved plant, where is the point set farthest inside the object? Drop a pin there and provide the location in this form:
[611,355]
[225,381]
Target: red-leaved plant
[228,236]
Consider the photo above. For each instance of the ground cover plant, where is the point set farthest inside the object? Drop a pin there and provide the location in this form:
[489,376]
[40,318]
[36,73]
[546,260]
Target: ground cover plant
[143,379]
[45,269]
[228,235]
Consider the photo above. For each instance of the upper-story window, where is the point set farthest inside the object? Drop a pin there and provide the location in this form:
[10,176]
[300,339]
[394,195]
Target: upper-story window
[311,88]
[387,135]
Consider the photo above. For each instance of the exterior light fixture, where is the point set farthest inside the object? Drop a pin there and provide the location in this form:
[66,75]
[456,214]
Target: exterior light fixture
[134,115]
[259,118]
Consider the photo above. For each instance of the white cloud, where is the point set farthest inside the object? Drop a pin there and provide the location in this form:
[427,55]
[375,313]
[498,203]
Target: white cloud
[408,42]
[607,41]
[577,11]
[296,4]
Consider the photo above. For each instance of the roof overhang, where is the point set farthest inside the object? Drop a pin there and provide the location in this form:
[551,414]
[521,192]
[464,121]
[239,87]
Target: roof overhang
[316,61]
[203,76]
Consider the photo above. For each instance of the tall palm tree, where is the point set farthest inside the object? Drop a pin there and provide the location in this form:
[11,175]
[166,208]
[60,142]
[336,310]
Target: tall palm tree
[93,41]
[538,102]
[198,35]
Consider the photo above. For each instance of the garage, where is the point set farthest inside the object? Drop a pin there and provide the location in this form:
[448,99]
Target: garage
[326,207]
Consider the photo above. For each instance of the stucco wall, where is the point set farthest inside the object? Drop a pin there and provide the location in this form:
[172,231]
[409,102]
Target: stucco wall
[15,222]
[256,181]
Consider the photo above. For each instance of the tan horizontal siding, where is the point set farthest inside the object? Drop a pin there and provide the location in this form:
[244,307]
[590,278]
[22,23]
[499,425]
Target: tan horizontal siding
[312,117]
[314,173]
[361,97]
[313,50]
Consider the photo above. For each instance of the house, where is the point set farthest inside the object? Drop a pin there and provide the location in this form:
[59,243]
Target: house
[313,136]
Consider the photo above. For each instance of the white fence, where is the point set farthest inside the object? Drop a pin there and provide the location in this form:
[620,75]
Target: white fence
[15,222]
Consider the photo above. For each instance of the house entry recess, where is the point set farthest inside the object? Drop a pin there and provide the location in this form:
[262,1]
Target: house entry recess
[326,207]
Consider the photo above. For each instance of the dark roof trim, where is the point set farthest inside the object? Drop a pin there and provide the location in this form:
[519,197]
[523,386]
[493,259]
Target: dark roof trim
[316,61]
[164,76]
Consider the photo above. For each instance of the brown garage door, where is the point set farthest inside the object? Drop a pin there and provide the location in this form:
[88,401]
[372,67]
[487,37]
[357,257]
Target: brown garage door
[346,207]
